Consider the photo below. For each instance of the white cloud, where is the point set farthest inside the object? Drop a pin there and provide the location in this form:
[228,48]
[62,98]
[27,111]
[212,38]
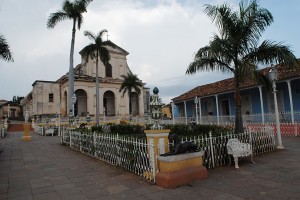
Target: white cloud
[160,35]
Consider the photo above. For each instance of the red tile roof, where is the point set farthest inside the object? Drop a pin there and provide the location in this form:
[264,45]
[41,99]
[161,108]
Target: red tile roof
[227,85]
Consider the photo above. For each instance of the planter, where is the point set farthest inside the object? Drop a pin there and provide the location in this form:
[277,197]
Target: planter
[181,169]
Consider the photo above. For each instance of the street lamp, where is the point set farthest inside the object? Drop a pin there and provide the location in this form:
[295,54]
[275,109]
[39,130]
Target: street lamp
[172,110]
[273,77]
[196,100]
[73,104]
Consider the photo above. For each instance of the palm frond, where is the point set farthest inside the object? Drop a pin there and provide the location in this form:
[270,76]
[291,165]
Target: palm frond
[5,52]
[104,55]
[90,35]
[100,34]
[270,52]
[130,83]
[56,17]
[88,52]
[96,48]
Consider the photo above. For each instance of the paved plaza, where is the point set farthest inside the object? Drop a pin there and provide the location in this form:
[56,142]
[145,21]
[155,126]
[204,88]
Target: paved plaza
[42,169]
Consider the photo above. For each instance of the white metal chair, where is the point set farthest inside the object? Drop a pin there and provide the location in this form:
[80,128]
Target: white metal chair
[238,149]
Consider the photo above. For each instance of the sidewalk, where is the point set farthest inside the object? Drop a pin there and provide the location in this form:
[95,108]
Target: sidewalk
[43,169]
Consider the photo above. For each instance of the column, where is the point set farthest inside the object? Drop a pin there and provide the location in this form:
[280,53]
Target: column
[185,113]
[291,100]
[200,118]
[141,105]
[261,105]
[217,106]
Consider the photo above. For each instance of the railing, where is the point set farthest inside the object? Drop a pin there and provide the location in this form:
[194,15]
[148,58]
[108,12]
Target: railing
[129,153]
[262,140]
[286,129]
[38,129]
[134,154]
[42,128]
[284,117]
[3,132]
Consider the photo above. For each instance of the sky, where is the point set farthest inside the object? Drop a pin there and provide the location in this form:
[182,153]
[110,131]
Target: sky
[161,36]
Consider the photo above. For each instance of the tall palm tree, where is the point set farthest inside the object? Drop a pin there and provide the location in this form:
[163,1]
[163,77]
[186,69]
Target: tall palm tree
[5,53]
[236,49]
[130,83]
[73,11]
[94,51]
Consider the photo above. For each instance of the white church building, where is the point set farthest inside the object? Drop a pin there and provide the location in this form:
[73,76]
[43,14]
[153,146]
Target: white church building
[49,98]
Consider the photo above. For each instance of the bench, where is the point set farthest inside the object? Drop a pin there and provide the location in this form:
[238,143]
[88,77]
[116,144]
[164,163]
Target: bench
[238,149]
[50,131]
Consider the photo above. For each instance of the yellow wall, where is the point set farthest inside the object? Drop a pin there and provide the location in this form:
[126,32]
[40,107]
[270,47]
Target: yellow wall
[166,111]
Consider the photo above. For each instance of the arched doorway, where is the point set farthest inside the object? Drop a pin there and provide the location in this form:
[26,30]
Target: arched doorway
[81,103]
[109,103]
[134,104]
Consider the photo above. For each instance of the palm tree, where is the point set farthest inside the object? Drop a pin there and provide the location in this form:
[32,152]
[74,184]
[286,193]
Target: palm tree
[72,11]
[5,53]
[130,83]
[236,49]
[94,51]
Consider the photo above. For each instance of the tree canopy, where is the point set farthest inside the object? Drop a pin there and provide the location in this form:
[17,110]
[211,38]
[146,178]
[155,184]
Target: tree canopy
[5,52]
[236,48]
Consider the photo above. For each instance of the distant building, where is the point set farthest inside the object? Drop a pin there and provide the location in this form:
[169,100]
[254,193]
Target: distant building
[50,97]
[10,109]
[217,102]
[166,111]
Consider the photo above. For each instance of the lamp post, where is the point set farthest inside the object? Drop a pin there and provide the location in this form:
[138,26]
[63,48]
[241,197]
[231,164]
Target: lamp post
[273,77]
[73,104]
[172,109]
[196,100]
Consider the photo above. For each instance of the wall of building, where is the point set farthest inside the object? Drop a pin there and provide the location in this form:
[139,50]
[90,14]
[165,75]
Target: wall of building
[40,95]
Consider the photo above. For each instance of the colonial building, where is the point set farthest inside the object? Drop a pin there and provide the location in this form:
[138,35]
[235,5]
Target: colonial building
[50,97]
[215,102]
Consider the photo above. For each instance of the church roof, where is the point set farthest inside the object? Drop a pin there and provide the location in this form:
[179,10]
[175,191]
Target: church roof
[227,85]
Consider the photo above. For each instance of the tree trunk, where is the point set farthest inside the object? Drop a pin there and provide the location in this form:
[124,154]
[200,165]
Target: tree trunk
[238,112]
[97,92]
[71,69]
[130,106]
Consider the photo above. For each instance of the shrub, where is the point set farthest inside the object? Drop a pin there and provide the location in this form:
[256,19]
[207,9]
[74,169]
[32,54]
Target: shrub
[127,129]
[183,130]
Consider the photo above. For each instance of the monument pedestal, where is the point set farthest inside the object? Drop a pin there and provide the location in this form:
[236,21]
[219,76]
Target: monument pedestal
[181,169]
[157,141]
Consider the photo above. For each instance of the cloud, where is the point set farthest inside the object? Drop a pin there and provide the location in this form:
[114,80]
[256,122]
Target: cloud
[161,38]
[160,35]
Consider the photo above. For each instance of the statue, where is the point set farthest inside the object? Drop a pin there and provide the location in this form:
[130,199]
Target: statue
[179,147]
[26,115]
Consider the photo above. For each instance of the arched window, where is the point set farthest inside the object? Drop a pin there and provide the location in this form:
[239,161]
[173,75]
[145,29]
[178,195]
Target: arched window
[108,70]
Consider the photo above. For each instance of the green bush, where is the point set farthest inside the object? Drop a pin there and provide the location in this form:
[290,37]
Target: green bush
[183,130]
[97,129]
[127,129]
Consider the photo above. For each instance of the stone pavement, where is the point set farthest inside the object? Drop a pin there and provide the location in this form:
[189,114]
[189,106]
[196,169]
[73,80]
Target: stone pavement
[42,169]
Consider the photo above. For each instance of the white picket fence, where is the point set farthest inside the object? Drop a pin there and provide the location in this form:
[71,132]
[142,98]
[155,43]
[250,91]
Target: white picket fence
[129,153]
[44,129]
[134,154]
[3,132]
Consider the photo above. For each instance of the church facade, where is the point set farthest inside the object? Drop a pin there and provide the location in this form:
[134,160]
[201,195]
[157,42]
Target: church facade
[48,98]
